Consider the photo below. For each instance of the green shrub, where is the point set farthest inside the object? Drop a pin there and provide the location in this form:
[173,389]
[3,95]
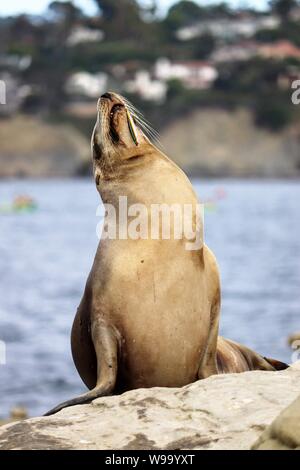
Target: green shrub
[273,114]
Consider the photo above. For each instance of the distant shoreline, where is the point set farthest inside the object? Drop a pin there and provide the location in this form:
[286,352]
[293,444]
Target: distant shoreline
[199,177]
[207,143]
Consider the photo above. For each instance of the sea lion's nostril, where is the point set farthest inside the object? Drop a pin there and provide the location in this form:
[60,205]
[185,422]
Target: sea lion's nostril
[108,96]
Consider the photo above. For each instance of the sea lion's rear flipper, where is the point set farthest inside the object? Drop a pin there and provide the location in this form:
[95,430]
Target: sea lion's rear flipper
[233,357]
[277,364]
[106,341]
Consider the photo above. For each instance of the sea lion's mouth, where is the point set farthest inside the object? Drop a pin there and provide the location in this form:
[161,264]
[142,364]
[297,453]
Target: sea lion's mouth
[117,112]
[112,122]
[115,108]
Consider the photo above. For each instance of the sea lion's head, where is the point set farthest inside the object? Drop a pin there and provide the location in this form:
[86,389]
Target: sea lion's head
[118,134]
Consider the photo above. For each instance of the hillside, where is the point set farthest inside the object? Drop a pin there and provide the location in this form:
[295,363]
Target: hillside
[208,142]
[30,147]
[214,142]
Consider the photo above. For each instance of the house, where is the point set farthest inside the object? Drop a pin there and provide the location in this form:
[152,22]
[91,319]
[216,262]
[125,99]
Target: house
[12,94]
[15,62]
[238,52]
[279,50]
[86,84]
[146,87]
[81,34]
[295,14]
[125,70]
[192,74]
[243,25]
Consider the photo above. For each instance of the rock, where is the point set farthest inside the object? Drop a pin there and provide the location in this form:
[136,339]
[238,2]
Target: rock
[284,432]
[16,414]
[221,412]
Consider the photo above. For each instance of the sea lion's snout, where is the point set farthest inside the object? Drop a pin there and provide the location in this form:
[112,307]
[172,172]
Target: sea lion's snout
[106,103]
[107,95]
[118,133]
[118,124]
[109,109]
[110,98]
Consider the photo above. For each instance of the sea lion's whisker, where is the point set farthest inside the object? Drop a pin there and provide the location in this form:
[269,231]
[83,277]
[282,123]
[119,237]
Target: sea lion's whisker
[142,122]
[147,126]
[134,111]
[149,132]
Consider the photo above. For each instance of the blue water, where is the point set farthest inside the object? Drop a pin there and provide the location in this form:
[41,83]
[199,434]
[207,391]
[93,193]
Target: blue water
[252,226]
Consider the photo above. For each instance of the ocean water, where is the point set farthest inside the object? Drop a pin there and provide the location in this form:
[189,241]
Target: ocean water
[45,256]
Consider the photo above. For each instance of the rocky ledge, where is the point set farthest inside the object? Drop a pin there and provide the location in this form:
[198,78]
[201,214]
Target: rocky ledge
[223,412]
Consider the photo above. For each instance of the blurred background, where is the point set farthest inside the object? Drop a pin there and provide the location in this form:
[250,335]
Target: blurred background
[215,79]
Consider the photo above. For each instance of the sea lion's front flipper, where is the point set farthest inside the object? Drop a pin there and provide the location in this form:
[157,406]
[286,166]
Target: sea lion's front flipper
[208,364]
[106,342]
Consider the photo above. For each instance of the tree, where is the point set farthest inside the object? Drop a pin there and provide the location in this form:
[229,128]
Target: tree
[108,8]
[183,14]
[65,11]
[273,113]
[204,46]
[221,10]
[121,19]
[50,65]
[283,8]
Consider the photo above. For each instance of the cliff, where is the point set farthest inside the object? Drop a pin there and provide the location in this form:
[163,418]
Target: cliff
[207,143]
[214,142]
[30,147]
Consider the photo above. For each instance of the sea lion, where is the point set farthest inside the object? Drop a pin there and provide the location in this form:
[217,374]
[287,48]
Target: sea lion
[149,315]
[294,340]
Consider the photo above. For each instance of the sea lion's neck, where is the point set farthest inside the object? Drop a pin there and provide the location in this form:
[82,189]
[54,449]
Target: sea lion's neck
[116,171]
[112,161]
[141,150]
